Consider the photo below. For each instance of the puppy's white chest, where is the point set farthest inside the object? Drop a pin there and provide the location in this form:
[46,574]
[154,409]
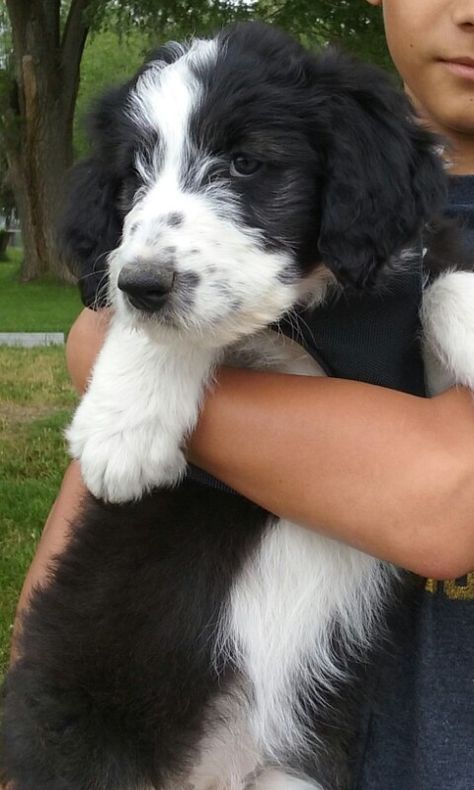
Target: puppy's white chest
[271,350]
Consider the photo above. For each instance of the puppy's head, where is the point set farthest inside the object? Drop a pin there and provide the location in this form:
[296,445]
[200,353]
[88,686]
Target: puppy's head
[234,176]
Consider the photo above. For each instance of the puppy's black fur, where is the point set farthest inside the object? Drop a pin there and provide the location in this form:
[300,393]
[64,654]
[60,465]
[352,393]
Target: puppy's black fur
[118,648]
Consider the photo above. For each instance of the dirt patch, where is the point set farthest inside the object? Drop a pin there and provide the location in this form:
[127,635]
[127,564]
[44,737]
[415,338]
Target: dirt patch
[20,413]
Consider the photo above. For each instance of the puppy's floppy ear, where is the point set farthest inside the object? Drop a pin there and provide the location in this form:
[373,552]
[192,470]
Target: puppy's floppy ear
[90,227]
[383,177]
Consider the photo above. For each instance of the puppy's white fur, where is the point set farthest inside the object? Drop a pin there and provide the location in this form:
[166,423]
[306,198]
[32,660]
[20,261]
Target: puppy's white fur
[142,401]
[448,331]
[277,780]
[291,597]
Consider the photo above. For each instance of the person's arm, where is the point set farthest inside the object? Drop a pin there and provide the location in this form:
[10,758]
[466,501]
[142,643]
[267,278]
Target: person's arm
[386,472]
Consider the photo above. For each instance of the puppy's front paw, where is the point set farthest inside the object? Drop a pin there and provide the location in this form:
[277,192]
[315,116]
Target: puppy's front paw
[122,465]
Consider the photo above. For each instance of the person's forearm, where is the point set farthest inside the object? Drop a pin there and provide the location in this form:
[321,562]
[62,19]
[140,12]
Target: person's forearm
[391,474]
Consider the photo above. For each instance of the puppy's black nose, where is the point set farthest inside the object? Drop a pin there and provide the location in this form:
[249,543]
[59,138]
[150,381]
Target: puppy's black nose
[146,286]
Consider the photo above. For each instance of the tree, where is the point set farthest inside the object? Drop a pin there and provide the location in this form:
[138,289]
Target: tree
[351,24]
[7,207]
[7,201]
[47,43]
[109,59]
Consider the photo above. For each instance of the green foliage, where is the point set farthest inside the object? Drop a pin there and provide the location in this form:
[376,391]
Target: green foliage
[166,18]
[108,59]
[352,24]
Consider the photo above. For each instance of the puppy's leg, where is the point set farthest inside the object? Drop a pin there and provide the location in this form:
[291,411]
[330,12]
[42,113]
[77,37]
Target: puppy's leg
[447,317]
[142,402]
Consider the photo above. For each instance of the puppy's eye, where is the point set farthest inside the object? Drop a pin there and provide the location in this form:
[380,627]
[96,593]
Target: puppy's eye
[243,165]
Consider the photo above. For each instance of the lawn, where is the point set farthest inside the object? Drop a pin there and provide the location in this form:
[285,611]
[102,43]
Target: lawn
[36,401]
[39,306]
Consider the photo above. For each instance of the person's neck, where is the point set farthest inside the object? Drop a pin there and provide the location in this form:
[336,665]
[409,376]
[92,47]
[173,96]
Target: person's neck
[460,153]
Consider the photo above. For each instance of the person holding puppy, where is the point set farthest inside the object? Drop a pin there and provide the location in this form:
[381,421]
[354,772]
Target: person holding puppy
[394,471]
[419,731]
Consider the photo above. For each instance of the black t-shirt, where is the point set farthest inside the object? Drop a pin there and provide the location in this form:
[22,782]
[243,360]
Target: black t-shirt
[417,731]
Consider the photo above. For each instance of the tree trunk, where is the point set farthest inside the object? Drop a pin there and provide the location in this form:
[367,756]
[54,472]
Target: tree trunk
[39,141]
[37,169]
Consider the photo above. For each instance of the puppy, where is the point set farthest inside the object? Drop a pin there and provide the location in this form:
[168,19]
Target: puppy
[187,638]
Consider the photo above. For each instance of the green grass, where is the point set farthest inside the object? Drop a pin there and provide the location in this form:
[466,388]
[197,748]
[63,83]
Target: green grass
[36,400]
[38,306]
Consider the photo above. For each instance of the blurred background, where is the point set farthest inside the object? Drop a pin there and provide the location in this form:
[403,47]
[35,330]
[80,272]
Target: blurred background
[55,56]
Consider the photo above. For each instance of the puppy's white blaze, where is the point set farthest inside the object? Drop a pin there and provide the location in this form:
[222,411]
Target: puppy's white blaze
[280,619]
[448,334]
[207,215]
[202,165]
[164,98]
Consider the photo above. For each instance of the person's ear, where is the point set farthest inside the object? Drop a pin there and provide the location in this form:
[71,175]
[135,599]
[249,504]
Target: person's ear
[375,2]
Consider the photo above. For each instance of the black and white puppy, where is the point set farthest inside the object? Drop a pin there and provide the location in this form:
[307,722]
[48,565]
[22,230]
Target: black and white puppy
[187,638]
